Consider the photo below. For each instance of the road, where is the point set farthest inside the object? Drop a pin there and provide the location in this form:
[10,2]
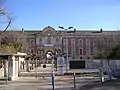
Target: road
[40,83]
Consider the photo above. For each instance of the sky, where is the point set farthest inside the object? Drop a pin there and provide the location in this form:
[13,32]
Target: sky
[81,14]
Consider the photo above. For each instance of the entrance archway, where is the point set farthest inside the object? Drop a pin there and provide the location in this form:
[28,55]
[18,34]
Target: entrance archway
[49,57]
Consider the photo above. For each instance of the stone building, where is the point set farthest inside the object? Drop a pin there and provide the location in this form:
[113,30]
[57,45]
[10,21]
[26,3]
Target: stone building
[82,45]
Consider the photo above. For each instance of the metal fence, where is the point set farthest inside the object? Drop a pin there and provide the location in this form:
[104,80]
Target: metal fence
[95,64]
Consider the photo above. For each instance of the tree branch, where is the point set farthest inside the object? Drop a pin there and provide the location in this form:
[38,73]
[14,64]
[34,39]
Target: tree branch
[7,26]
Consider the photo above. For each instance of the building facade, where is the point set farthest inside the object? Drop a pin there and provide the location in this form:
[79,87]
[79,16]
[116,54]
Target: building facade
[82,45]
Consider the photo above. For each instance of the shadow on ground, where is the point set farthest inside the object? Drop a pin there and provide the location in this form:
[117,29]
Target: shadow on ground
[108,85]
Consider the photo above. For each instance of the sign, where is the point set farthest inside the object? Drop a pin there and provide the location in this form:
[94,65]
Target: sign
[49,45]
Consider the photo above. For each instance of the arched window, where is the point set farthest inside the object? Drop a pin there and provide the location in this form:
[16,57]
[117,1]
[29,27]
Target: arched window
[41,51]
[32,42]
[57,40]
[40,40]
[38,51]
[32,51]
[48,40]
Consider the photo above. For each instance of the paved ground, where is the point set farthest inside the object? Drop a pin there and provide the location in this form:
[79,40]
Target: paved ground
[110,85]
[42,71]
[32,83]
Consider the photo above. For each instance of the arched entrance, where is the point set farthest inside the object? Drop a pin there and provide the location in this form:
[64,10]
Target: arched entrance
[49,57]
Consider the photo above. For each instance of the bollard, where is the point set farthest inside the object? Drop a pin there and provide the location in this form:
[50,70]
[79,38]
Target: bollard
[110,75]
[101,74]
[6,76]
[6,72]
[53,82]
[74,81]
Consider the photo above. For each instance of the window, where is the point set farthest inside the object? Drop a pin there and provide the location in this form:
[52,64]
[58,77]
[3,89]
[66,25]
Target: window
[32,42]
[42,52]
[59,51]
[1,64]
[72,42]
[88,42]
[64,40]
[38,51]
[32,51]
[49,40]
[57,39]
[88,57]
[55,51]
[80,51]
[40,40]
[95,43]
[87,51]
[80,43]
[72,46]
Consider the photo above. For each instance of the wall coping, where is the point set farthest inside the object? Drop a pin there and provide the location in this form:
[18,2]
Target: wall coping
[12,54]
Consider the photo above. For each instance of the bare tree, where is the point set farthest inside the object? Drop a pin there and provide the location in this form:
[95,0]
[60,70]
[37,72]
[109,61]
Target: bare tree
[5,19]
[106,42]
[5,15]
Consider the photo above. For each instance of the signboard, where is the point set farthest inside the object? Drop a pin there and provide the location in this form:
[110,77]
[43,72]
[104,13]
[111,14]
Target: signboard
[60,64]
[49,45]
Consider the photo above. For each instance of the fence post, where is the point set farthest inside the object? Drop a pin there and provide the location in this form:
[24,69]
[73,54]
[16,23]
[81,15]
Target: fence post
[7,71]
[74,80]
[101,74]
[53,81]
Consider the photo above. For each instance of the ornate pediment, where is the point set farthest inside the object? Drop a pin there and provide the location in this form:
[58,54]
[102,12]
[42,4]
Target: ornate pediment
[49,31]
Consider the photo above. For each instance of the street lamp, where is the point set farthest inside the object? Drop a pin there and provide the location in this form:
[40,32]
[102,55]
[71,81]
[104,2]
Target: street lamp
[101,61]
[66,44]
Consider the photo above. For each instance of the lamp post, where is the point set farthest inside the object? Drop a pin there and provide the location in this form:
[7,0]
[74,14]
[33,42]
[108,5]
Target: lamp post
[66,44]
[101,61]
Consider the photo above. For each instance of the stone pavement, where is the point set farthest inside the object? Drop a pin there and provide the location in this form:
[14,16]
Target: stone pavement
[40,83]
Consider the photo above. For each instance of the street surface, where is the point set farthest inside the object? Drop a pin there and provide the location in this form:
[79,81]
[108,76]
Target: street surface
[40,83]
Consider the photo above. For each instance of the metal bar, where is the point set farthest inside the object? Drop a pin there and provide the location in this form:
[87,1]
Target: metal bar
[6,71]
[74,80]
[36,68]
[66,52]
[53,81]
[101,74]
